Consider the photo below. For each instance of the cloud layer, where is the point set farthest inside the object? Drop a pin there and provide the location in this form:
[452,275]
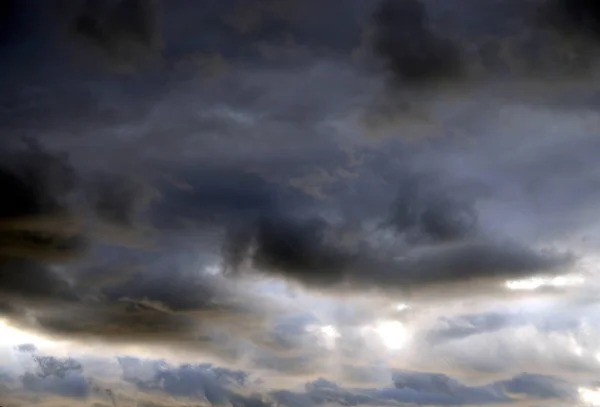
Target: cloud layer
[258,190]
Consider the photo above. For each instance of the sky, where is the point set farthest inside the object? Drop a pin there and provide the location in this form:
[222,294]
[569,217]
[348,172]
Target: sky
[299,203]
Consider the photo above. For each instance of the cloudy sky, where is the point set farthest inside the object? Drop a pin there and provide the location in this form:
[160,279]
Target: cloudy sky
[268,203]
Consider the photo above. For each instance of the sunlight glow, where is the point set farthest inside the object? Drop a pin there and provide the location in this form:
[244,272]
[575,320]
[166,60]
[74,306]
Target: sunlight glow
[328,334]
[590,397]
[401,307]
[329,331]
[10,336]
[537,282]
[393,334]
[575,348]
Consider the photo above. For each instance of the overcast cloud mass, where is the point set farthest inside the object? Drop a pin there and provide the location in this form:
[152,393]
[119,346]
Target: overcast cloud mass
[299,203]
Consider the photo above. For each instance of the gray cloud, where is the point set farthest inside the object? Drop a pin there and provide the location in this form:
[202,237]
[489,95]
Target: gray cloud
[464,326]
[51,366]
[217,386]
[71,385]
[208,383]
[433,389]
[159,381]
[541,338]
[26,348]
[52,377]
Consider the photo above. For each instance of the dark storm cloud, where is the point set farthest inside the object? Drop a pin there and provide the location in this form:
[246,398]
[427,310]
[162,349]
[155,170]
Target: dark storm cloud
[169,284]
[430,212]
[123,30]
[228,196]
[160,294]
[574,17]
[115,322]
[27,280]
[420,42]
[287,33]
[427,42]
[178,291]
[414,53]
[118,200]
[37,181]
[34,223]
[273,226]
[305,250]
[8,14]
[134,33]
[41,220]
[290,246]
[146,320]
[108,22]
[168,298]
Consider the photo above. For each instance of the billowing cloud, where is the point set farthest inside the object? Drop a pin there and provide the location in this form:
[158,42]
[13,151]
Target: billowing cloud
[437,242]
[51,366]
[26,347]
[196,188]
